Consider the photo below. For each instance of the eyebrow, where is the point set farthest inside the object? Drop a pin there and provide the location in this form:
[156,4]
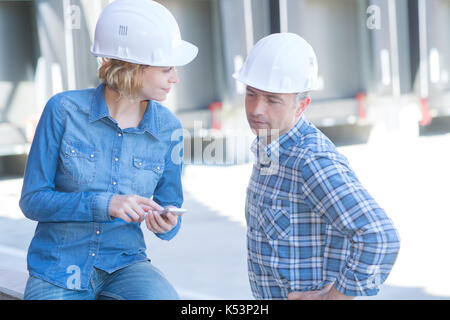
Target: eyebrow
[267,95]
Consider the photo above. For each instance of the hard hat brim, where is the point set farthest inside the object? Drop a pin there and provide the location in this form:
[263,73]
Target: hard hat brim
[238,77]
[185,53]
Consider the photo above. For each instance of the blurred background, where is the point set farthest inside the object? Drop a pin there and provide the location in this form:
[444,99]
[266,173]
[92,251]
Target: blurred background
[384,100]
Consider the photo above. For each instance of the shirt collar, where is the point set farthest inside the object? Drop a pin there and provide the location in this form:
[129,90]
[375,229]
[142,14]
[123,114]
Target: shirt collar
[99,110]
[272,149]
[150,120]
[294,132]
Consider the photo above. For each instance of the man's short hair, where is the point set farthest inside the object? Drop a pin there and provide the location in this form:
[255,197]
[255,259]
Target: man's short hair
[301,96]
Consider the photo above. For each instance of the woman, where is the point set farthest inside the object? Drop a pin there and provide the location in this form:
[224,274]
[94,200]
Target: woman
[99,156]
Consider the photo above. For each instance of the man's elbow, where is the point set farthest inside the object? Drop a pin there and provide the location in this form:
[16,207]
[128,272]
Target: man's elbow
[390,243]
[392,235]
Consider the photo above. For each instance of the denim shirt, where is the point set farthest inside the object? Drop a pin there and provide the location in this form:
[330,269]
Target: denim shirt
[78,160]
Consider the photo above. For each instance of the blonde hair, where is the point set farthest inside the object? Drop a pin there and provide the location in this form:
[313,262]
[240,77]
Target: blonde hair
[121,76]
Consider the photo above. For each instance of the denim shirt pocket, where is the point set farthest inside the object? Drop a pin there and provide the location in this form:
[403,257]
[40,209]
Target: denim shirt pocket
[79,161]
[146,174]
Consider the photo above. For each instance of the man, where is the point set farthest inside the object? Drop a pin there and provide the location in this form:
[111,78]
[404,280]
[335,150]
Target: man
[313,232]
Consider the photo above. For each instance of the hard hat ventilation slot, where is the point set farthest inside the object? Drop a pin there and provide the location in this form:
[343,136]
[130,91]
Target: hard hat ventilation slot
[123,30]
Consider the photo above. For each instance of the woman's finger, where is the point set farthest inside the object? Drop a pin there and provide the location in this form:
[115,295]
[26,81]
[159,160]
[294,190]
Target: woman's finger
[172,217]
[131,213]
[162,222]
[141,213]
[145,207]
[147,221]
[149,202]
[122,215]
[152,222]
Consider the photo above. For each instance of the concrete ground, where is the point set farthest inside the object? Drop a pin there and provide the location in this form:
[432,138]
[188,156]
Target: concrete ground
[408,175]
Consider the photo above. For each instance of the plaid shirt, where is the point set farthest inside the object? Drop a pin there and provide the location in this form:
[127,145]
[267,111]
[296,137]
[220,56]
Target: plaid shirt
[310,222]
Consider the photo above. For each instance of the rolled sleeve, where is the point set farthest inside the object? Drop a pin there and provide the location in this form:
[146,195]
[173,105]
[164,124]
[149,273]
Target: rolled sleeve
[169,191]
[100,207]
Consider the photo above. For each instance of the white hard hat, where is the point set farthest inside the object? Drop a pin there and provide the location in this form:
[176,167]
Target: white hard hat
[280,63]
[141,32]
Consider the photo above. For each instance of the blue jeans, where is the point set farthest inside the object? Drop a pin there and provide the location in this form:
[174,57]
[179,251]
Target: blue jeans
[139,281]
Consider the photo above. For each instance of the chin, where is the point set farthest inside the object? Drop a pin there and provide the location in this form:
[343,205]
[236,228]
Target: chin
[159,98]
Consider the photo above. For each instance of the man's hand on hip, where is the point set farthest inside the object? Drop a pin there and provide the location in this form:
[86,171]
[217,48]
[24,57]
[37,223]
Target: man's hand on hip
[329,292]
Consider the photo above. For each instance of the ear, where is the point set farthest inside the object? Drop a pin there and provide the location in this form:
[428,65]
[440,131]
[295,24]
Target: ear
[302,105]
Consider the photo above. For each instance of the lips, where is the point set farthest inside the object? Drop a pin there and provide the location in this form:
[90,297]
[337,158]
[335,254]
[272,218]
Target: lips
[257,122]
[166,90]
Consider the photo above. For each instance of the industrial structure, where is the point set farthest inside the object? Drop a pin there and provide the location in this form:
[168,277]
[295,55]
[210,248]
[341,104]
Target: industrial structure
[369,52]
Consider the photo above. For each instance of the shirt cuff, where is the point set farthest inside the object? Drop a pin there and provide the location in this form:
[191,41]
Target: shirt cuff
[100,207]
[168,235]
[352,283]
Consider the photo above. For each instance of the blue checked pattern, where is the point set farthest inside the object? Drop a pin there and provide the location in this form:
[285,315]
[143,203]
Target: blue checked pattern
[310,222]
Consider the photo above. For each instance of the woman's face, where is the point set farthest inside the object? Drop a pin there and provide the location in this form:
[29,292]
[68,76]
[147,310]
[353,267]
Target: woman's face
[157,82]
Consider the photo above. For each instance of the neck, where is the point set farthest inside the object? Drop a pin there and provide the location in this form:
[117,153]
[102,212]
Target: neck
[281,132]
[122,107]
[126,112]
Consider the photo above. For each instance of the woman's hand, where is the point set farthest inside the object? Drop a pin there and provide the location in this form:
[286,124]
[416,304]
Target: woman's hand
[160,223]
[130,208]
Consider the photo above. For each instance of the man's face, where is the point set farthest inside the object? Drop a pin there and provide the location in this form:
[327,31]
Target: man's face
[268,111]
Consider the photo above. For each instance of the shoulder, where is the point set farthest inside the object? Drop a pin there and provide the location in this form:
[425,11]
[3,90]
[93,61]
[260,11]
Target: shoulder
[315,141]
[315,148]
[65,101]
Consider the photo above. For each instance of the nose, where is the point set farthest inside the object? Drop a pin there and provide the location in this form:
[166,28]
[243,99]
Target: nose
[173,76]
[258,106]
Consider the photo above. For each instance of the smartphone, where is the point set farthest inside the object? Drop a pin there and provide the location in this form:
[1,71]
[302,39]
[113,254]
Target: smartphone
[178,211]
